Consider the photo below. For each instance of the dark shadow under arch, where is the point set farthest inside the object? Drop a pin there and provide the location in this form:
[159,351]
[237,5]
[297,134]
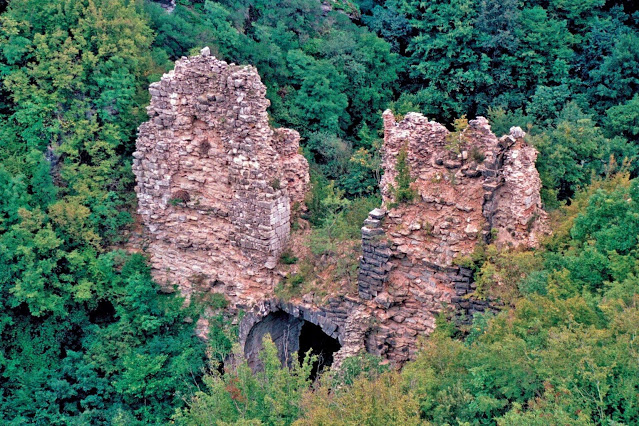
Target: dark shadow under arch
[291,335]
[321,345]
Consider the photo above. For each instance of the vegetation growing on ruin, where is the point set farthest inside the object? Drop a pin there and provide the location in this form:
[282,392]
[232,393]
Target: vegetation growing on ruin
[455,140]
[401,190]
[328,253]
[88,338]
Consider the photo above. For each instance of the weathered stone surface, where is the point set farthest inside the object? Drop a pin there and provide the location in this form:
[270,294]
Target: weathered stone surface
[214,182]
[489,189]
[215,187]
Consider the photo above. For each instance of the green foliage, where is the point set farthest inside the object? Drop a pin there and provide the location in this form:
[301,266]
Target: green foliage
[295,280]
[333,244]
[602,246]
[547,103]
[501,120]
[617,78]
[466,57]
[402,191]
[499,275]
[623,119]
[88,338]
[449,67]
[560,353]
[330,153]
[275,184]
[324,200]
[297,283]
[86,335]
[365,168]
[343,224]
[222,335]
[287,257]
[126,347]
[362,365]
[384,401]
[455,140]
[388,21]
[573,152]
[476,155]
[521,356]
[218,301]
[240,396]
[78,99]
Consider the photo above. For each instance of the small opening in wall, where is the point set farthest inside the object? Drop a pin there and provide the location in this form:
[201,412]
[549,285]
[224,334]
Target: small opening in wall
[204,147]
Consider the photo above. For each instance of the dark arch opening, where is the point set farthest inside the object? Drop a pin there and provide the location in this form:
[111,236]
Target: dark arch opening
[291,334]
[284,330]
[320,344]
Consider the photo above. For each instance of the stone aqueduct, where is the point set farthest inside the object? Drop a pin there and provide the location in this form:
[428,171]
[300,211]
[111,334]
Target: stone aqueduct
[215,185]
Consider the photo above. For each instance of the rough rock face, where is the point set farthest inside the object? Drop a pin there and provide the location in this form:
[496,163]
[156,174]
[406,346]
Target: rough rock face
[214,182]
[215,187]
[489,184]
[488,191]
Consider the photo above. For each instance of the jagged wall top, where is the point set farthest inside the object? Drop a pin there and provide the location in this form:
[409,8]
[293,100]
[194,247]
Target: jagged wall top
[489,189]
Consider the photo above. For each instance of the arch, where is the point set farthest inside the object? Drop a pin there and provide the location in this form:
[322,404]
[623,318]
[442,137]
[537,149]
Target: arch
[284,330]
[313,341]
[293,330]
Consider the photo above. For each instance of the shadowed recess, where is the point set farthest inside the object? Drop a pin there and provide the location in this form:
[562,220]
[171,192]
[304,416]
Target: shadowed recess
[291,335]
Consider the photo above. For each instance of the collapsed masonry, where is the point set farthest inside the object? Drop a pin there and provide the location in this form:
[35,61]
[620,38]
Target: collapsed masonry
[485,190]
[215,186]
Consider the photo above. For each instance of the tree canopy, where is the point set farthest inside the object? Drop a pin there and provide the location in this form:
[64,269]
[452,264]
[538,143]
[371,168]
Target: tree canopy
[87,337]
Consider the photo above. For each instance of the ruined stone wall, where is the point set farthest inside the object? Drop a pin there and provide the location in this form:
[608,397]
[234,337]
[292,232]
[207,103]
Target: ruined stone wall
[486,192]
[214,182]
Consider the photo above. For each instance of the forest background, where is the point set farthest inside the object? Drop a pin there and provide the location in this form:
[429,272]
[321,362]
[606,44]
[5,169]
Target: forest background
[88,338]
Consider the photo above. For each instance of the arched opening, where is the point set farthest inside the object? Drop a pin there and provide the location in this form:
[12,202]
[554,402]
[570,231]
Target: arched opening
[290,335]
[313,339]
[284,330]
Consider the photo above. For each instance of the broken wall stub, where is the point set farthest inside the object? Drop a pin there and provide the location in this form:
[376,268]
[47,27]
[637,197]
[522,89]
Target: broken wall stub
[215,182]
[480,190]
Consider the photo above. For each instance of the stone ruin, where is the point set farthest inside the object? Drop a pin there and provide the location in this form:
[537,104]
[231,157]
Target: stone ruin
[215,182]
[487,192]
[215,185]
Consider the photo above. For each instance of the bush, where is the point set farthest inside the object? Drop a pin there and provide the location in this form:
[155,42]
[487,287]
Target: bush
[218,301]
[455,140]
[240,396]
[179,197]
[287,257]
